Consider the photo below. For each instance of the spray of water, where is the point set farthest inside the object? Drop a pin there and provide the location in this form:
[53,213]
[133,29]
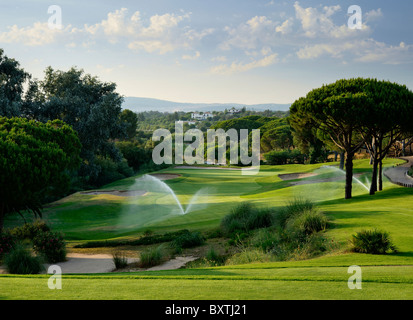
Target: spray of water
[195,202]
[344,173]
[158,185]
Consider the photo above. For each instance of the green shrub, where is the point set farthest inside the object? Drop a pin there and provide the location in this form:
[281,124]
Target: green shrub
[293,208]
[308,222]
[7,243]
[151,257]
[120,260]
[265,239]
[372,241]
[284,157]
[188,240]
[410,172]
[246,217]
[30,230]
[20,261]
[51,246]
[248,255]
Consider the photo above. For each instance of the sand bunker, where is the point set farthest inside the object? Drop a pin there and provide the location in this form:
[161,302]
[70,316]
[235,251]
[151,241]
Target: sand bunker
[165,176]
[119,193]
[103,263]
[210,168]
[294,176]
[131,193]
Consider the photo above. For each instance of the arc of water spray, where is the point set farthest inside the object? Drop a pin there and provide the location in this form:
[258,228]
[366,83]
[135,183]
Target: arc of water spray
[163,186]
[343,172]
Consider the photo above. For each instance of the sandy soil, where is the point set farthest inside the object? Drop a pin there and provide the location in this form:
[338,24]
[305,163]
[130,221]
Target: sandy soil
[293,176]
[103,263]
[119,193]
[211,168]
[165,176]
[131,193]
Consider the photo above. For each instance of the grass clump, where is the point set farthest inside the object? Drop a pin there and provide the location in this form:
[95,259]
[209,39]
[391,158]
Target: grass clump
[120,260]
[187,240]
[151,257]
[20,261]
[246,217]
[309,221]
[372,241]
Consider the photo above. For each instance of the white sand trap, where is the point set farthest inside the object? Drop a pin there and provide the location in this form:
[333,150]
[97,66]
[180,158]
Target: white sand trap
[165,176]
[210,168]
[119,193]
[176,263]
[103,263]
[131,193]
[294,176]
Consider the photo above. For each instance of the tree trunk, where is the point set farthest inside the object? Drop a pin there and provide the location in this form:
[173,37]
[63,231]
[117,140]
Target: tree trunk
[373,186]
[341,160]
[380,175]
[349,174]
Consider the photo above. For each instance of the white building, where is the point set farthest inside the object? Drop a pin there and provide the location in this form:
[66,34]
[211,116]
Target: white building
[201,116]
[233,110]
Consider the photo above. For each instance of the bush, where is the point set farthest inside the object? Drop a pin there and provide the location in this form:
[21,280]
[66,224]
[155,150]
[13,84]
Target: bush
[246,217]
[372,241]
[308,222]
[248,256]
[120,260]
[151,257]
[7,243]
[51,246]
[284,157]
[188,240]
[30,230]
[265,239]
[20,261]
[292,209]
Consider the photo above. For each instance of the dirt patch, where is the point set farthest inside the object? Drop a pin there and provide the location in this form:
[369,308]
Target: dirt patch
[119,193]
[103,263]
[294,176]
[210,168]
[165,176]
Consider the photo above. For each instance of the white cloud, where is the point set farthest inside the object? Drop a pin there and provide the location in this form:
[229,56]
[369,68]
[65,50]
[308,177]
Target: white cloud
[36,35]
[251,34]
[367,50]
[319,23]
[373,15]
[194,57]
[160,34]
[243,67]
[285,27]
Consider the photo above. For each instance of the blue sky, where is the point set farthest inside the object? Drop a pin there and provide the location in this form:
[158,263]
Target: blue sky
[225,51]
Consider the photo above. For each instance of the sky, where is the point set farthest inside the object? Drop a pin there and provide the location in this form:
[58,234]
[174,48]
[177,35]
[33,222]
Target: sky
[213,51]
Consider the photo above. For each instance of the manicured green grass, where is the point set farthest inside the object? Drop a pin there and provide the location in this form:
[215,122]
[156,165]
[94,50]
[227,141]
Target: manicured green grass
[220,284]
[88,217]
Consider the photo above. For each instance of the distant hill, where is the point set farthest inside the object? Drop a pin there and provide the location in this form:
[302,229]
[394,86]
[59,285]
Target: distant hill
[147,104]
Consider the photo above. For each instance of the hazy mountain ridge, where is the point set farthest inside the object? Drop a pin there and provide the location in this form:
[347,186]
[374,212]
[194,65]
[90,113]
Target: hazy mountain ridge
[148,104]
